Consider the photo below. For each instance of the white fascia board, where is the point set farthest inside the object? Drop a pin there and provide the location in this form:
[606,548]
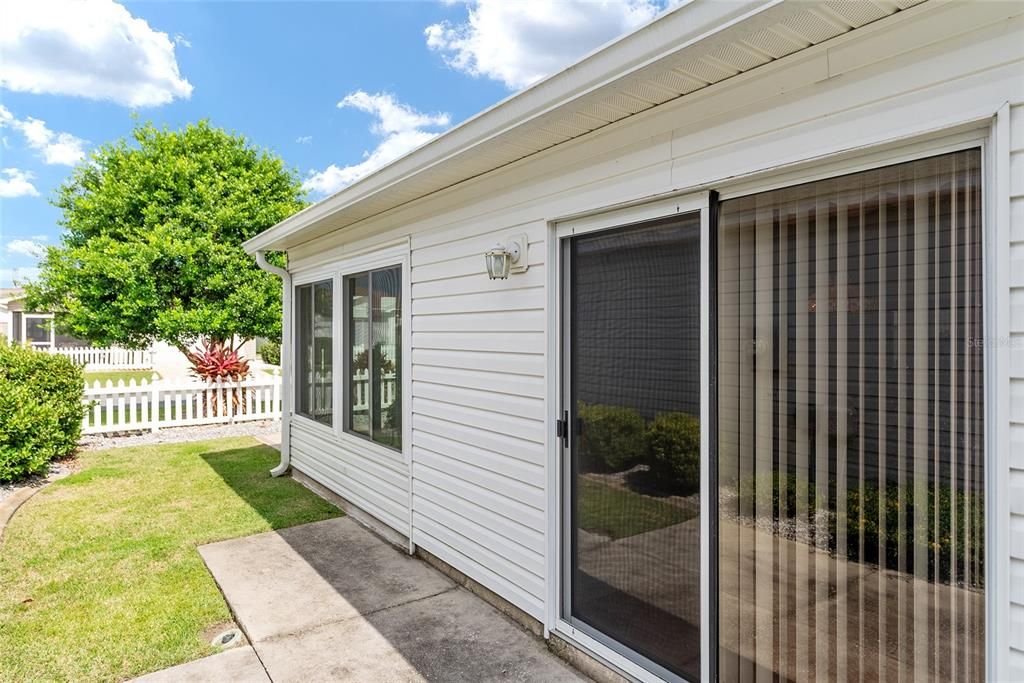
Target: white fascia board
[686,26]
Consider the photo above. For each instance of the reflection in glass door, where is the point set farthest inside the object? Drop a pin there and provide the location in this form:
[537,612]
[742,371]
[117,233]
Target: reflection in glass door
[632,397]
[851,427]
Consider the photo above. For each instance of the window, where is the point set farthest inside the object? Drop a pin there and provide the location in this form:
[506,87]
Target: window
[314,338]
[851,427]
[39,329]
[373,353]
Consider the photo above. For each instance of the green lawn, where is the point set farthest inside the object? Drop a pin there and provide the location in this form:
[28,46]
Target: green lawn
[618,512]
[114,375]
[101,579]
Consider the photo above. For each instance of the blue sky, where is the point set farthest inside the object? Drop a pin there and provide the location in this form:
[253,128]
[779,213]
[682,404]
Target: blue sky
[336,89]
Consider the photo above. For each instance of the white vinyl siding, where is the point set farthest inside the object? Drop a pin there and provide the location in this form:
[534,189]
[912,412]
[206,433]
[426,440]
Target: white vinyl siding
[378,485]
[478,411]
[480,465]
[1016,408]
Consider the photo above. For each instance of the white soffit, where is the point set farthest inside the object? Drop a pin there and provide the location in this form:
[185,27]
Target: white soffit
[692,47]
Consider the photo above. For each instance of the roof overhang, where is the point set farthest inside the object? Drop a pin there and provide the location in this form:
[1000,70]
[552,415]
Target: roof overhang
[686,49]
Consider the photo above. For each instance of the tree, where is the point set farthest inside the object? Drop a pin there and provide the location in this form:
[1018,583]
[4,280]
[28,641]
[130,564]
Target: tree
[152,248]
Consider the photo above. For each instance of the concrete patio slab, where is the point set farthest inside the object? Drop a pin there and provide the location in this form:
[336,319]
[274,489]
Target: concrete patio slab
[451,637]
[295,579]
[237,664]
[329,601]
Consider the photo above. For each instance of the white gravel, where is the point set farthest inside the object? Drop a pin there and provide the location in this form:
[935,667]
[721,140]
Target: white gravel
[266,430]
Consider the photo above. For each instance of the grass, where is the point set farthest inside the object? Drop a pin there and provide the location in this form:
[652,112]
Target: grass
[114,375]
[618,512]
[101,579]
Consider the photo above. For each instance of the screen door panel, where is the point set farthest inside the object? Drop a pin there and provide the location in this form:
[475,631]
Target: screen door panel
[633,301]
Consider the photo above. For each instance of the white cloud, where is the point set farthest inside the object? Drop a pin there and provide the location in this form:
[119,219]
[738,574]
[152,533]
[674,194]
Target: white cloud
[519,43]
[10,276]
[181,40]
[56,148]
[26,248]
[93,49]
[304,139]
[16,183]
[401,128]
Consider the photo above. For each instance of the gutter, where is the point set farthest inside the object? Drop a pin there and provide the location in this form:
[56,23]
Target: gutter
[286,358]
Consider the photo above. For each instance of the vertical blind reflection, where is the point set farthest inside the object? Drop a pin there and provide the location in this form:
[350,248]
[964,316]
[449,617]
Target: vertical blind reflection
[636,473]
[851,478]
[375,355]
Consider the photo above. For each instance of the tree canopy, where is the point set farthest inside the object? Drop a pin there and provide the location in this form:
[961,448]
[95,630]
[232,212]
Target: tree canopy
[152,244]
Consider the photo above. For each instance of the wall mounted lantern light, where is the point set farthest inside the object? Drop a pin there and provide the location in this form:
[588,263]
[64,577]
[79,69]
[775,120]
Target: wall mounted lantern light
[503,259]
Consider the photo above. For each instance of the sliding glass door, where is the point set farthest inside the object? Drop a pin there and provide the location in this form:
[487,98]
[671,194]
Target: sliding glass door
[632,405]
[851,427]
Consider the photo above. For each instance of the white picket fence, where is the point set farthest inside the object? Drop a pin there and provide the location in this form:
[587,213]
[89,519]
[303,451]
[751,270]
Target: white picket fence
[361,390]
[105,358]
[151,405]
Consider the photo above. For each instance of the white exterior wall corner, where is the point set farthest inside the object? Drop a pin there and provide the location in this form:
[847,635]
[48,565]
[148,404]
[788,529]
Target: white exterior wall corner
[1009,347]
[480,406]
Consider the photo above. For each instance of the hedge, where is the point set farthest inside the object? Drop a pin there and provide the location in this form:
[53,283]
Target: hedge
[673,451]
[611,438]
[40,410]
[270,352]
[770,495]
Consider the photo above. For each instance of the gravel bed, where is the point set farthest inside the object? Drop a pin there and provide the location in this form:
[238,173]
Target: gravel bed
[256,428]
[58,469]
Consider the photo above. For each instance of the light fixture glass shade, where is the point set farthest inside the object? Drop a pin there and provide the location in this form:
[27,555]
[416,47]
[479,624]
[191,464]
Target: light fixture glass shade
[498,262]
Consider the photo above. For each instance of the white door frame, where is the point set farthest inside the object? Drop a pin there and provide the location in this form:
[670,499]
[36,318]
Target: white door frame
[559,231]
[992,137]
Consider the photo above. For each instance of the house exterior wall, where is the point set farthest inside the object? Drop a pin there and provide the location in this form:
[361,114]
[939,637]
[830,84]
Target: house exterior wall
[479,467]
[1015,351]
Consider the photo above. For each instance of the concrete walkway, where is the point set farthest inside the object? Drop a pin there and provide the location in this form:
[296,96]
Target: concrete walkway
[329,601]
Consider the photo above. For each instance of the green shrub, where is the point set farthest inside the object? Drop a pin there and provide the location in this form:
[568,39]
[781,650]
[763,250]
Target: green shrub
[768,494]
[612,438]
[270,352]
[40,410]
[673,451]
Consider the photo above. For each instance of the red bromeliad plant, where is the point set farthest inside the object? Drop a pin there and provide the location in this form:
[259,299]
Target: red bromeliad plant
[215,359]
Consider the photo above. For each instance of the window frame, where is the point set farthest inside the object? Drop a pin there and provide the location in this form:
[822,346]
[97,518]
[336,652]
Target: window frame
[346,356]
[51,340]
[337,264]
[296,394]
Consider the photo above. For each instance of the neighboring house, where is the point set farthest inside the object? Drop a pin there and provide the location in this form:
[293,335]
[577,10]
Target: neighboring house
[18,325]
[773,250]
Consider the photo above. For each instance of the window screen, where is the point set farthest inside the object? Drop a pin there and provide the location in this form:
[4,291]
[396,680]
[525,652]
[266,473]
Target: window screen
[314,383]
[851,427]
[373,302]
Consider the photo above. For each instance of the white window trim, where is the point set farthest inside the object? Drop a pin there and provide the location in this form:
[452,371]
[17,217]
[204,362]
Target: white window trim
[24,330]
[396,254]
[986,134]
[308,422]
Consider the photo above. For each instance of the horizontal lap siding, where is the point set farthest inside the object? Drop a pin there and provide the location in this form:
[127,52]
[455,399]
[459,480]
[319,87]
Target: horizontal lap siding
[380,486]
[1016,408]
[478,410]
